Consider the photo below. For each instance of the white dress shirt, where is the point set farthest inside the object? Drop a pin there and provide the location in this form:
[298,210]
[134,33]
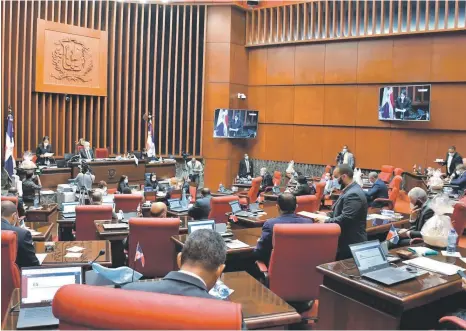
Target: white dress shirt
[247,165]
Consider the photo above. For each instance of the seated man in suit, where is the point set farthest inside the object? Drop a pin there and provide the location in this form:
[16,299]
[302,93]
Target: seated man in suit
[86,153]
[378,189]
[286,205]
[96,198]
[349,212]
[26,256]
[267,180]
[420,205]
[303,187]
[460,177]
[201,263]
[202,206]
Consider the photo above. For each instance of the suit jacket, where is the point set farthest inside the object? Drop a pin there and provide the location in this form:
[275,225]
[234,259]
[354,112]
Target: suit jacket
[242,169]
[378,190]
[424,215]
[460,181]
[26,256]
[264,246]
[303,189]
[204,205]
[405,104]
[350,158]
[267,181]
[457,159]
[82,152]
[350,213]
[42,150]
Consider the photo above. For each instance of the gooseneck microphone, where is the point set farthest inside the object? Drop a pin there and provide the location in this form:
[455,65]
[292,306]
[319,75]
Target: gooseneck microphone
[102,252]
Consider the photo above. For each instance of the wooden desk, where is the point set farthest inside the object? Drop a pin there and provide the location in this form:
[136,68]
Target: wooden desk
[243,185]
[45,229]
[51,177]
[361,304]
[261,308]
[48,213]
[90,252]
[270,207]
[163,170]
[171,213]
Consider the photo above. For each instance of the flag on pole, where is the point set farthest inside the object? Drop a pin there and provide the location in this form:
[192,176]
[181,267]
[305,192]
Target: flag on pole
[150,146]
[139,255]
[9,145]
[393,235]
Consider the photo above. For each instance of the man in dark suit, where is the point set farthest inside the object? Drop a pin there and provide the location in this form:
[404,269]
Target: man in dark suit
[245,167]
[303,187]
[201,208]
[420,205]
[286,205]
[267,180]
[349,212]
[201,263]
[26,256]
[86,152]
[378,189]
[452,160]
[460,177]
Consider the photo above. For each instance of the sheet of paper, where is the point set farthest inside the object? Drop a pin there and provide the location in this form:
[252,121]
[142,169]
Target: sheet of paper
[313,215]
[455,254]
[371,217]
[48,154]
[73,255]
[34,233]
[41,257]
[434,266]
[235,244]
[463,259]
[75,249]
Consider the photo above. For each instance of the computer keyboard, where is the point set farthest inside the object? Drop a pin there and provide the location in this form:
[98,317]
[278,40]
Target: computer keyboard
[37,312]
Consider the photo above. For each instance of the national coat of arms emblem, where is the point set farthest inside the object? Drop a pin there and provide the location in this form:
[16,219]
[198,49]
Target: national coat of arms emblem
[72,60]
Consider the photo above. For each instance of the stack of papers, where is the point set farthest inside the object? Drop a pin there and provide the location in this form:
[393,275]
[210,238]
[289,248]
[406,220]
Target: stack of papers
[313,215]
[75,249]
[455,254]
[236,244]
[73,255]
[434,266]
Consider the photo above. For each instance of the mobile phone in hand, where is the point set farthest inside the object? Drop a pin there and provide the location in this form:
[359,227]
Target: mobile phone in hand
[462,274]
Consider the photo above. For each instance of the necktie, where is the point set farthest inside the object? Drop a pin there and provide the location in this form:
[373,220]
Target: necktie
[247,166]
[87,153]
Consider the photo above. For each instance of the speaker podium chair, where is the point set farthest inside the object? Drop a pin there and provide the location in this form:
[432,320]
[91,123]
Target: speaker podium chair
[10,271]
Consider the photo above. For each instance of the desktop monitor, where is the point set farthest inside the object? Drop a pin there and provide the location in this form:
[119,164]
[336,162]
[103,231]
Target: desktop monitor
[405,103]
[235,123]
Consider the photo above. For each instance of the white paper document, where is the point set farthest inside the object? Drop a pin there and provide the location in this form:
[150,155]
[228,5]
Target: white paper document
[41,257]
[455,254]
[34,232]
[75,249]
[73,255]
[48,154]
[371,217]
[313,215]
[434,266]
[235,244]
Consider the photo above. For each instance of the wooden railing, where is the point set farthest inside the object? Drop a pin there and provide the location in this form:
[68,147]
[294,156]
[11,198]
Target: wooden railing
[322,20]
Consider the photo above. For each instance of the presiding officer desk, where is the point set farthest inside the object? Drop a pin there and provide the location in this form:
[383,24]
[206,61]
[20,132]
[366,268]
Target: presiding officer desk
[349,302]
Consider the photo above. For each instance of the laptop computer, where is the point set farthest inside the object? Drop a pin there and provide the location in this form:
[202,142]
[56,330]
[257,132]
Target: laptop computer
[38,287]
[193,226]
[236,209]
[372,263]
[276,190]
[128,215]
[175,205]
[254,208]
[69,209]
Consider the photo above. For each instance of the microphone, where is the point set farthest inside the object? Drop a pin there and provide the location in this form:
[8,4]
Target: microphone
[102,252]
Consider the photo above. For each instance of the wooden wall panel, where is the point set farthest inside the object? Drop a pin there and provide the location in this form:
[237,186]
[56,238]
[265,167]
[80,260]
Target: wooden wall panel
[375,59]
[417,66]
[309,64]
[216,71]
[218,28]
[280,104]
[372,148]
[341,62]
[332,141]
[217,95]
[278,142]
[448,58]
[340,105]
[239,71]
[218,171]
[257,100]
[439,142]
[307,146]
[280,65]
[309,104]
[138,77]
[407,148]
[214,148]
[367,102]
[257,66]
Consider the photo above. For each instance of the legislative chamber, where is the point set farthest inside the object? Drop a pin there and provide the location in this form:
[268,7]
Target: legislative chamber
[233,165]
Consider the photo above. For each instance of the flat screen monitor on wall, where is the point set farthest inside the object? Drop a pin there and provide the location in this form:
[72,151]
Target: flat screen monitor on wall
[235,123]
[404,103]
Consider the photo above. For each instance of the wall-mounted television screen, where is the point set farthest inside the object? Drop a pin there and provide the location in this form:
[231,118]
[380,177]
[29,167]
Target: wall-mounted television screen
[235,123]
[404,103]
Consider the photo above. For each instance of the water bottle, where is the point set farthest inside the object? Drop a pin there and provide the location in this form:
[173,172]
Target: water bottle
[120,215]
[452,237]
[36,201]
[222,290]
[220,187]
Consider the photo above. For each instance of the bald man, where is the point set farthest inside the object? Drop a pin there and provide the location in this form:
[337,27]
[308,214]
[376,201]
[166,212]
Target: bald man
[158,209]
[26,256]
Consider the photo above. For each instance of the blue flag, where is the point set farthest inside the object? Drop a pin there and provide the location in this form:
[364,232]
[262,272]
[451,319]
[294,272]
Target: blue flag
[393,235]
[9,146]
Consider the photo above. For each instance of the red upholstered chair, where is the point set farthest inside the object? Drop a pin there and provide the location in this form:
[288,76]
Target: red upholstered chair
[458,219]
[320,188]
[154,237]
[127,202]
[84,307]
[398,171]
[219,206]
[395,182]
[175,194]
[101,153]
[277,178]
[85,217]
[10,271]
[79,148]
[402,204]
[452,323]
[193,192]
[390,202]
[251,195]
[12,199]
[292,273]
[111,190]
[386,173]
[307,203]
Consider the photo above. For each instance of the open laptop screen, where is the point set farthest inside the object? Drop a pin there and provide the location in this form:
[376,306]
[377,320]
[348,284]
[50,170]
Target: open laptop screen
[235,207]
[39,285]
[368,256]
[69,207]
[174,203]
[193,226]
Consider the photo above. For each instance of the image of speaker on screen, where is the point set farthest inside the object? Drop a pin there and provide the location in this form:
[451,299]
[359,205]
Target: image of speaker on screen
[405,103]
[235,123]
[235,120]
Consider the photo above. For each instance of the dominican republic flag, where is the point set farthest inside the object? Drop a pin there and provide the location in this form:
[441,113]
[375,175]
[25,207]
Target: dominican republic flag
[139,255]
[388,104]
[150,146]
[393,235]
[9,146]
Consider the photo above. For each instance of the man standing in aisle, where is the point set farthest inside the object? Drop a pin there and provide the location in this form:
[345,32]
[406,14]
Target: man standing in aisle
[346,157]
[195,169]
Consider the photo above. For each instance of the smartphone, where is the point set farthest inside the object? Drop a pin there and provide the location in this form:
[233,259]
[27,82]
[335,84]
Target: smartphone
[462,274]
